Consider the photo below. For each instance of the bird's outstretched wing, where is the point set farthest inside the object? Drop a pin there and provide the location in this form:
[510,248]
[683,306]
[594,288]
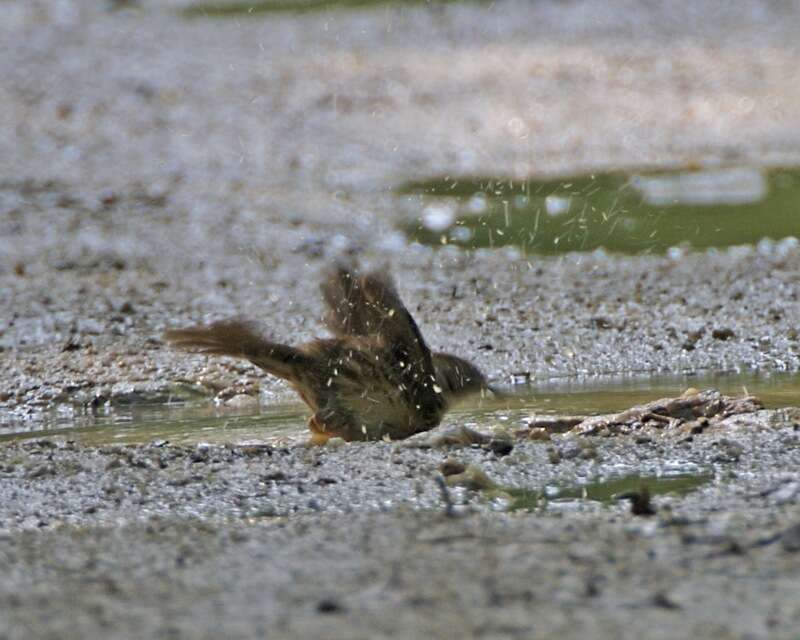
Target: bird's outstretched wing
[368,305]
[240,339]
[358,305]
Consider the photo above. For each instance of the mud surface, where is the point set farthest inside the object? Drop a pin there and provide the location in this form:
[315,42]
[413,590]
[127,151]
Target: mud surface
[157,170]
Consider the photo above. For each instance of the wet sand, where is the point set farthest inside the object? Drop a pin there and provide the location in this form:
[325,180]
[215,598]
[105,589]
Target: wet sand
[156,171]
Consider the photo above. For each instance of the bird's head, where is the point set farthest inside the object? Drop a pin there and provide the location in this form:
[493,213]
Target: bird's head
[458,377]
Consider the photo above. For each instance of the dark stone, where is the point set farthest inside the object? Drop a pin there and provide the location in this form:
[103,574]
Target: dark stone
[329,606]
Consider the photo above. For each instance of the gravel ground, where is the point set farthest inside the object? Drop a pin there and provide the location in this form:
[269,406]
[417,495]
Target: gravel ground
[162,541]
[156,170]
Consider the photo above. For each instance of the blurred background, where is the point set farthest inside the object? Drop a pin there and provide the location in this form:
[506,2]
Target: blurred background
[212,129]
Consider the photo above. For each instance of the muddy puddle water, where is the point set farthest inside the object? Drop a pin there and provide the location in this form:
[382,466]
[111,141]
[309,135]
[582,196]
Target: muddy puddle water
[198,421]
[629,213]
[177,422]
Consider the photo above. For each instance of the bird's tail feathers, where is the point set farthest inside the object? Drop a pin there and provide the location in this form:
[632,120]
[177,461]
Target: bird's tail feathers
[239,339]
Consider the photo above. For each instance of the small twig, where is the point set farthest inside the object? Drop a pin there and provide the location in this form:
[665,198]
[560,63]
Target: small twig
[449,510]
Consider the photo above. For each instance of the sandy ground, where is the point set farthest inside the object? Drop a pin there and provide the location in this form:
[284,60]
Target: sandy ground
[156,170]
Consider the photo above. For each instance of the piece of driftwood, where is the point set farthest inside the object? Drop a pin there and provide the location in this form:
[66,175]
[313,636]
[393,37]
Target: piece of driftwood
[709,406]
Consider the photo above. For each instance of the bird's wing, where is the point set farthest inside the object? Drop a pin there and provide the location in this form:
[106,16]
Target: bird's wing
[368,305]
[365,305]
[349,310]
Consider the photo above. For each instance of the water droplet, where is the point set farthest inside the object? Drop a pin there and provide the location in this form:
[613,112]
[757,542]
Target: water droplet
[477,203]
[557,205]
[461,234]
[438,217]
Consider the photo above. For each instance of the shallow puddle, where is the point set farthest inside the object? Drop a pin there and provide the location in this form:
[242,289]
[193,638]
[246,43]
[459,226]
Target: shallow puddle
[199,421]
[610,394]
[605,491]
[178,423]
[630,213]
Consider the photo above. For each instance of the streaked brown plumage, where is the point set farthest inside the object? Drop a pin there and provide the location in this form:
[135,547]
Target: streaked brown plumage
[375,378]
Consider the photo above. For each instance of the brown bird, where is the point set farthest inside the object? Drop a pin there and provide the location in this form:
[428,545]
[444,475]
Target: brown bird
[376,378]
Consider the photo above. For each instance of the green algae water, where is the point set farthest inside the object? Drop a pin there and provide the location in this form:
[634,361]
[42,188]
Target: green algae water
[626,213]
[195,421]
[606,491]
